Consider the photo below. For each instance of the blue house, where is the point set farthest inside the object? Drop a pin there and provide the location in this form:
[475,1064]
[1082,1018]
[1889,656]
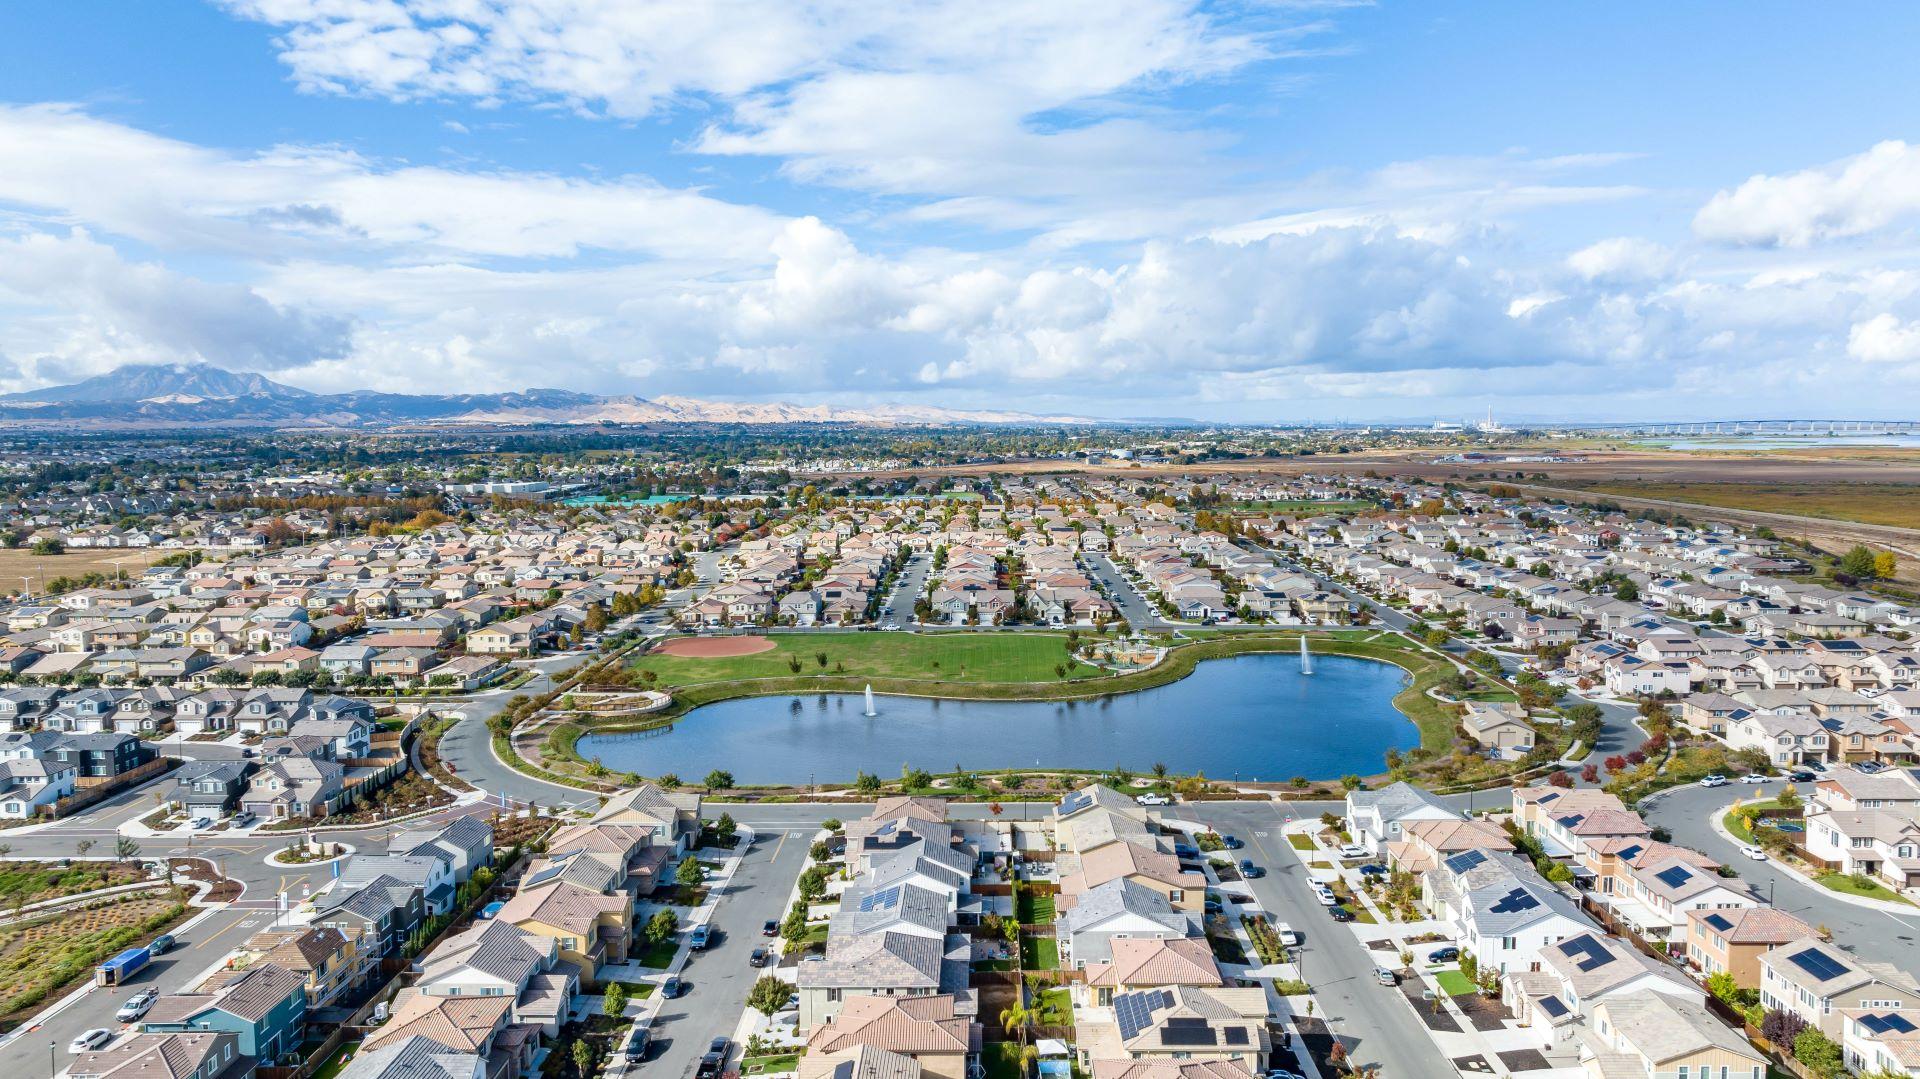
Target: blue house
[264,1007]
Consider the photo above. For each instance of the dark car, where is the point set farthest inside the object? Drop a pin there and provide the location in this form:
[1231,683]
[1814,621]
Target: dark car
[1232,842]
[770,929]
[1340,914]
[161,944]
[718,1045]
[639,1042]
[671,988]
[758,958]
[1801,776]
[1373,869]
[710,1066]
[1443,955]
[1251,871]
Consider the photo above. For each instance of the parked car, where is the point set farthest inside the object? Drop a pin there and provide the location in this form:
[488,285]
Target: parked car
[1282,1073]
[1354,851]
[1232,842]
[710,1066]
[639,1040]
[1152,799]
[1753,852]
[1340,914]
[1373,869]
[1714,780]
[1326,897]
[770,929]
[1383,976]
[1288,938]
[697,940]
[719,1045]
[670,988]
[89,1040]
[161,945]
[1213,906]
[758,958]
[1443,955]
[1869,767]
[1251,871]
[137,1005]
[1755,777]
[1802,776]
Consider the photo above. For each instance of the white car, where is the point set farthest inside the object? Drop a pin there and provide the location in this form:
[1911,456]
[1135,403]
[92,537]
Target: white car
[1754,852]
[1755,777]
[1324,894]
[1354,850]
[137,1005]
[1715,780]
[1286,935]
[1151,799]
[89,1040]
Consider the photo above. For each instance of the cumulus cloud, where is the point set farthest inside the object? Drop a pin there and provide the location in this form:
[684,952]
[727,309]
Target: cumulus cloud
[118,178]
[1884,338]
[118,311]
[1622,258]
[1854,196]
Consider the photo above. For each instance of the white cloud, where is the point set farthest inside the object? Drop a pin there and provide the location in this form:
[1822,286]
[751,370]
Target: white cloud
[1854,196]
[117,178]
[118,312]
[1622,258]
[1884,338]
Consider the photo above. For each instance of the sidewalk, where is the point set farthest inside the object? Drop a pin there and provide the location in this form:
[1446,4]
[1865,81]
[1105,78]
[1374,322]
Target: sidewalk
[1717,821]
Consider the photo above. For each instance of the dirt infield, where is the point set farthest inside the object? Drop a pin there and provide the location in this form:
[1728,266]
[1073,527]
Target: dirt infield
[714,647]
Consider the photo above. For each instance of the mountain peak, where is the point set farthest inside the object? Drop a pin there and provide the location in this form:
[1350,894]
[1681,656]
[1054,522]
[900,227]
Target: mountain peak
[172,382]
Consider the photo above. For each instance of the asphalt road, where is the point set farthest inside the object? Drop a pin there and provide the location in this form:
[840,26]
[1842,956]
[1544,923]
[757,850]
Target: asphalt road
[1134,607]
[907,590]
[1687,813]
[25,1053]
[718,979]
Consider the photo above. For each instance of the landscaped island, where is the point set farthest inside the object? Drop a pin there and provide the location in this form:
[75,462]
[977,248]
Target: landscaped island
[1027,667]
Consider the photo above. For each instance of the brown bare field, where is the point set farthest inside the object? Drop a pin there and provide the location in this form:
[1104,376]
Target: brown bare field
[18,562]
[1892,504]
[714,647]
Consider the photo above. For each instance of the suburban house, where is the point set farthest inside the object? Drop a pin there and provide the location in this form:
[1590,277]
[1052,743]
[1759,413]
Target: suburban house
[264,1006]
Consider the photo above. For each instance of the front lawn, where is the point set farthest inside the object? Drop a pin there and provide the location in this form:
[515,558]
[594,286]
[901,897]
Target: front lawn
[658,955]
[1863,886]
[1455,984]
[767,1065]
[1301,841]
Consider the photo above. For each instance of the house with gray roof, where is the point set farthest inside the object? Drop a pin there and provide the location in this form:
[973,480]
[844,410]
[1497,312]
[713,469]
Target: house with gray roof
[1119,908]
[415,1057]
[1376,818]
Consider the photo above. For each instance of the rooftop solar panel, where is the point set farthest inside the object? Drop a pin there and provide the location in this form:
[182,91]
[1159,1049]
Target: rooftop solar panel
[1235,1035]
[1515,901]
[884,899]
[1817,964]
[1674,876]
[1462,862]
[1187,1030]
[1553,1007]
[1887,1022]
[1719,922]
[1588,951]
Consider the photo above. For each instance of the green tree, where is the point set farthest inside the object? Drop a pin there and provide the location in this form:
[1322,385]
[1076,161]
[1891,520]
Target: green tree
[1858,562]
[615,1001]
[719,779]
[662,926]
[1818,1052]
[689,873]
[726,829]
[769,995]
[583,1061]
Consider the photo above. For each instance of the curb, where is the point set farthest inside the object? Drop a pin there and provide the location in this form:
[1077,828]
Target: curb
[1793,872]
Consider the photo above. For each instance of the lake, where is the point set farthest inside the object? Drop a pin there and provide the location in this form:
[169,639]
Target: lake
[1252,717]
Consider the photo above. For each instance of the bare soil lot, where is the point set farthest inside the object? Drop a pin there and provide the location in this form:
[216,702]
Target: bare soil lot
[18,562]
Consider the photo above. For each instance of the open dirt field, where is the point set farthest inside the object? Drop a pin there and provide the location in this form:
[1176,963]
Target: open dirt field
[18,562]
[714,647]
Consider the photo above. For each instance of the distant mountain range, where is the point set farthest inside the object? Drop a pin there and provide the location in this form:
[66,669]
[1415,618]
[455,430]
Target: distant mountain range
[158,396]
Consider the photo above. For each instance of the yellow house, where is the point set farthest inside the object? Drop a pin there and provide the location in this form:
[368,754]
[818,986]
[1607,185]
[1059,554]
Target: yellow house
[1665,1037]
[589,927]
[1145,866]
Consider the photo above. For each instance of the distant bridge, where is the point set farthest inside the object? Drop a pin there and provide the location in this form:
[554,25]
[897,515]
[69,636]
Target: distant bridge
[1802,428]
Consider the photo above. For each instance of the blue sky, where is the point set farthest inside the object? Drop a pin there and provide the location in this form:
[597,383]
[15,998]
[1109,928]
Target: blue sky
[1134,207]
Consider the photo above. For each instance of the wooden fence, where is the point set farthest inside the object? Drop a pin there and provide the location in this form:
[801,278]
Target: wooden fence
[101,788]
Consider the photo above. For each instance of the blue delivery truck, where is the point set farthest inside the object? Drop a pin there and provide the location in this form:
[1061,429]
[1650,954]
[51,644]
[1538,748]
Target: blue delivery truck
[120,968]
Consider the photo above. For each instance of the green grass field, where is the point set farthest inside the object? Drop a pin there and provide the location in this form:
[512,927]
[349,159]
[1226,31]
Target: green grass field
[1455,984]
[933,657]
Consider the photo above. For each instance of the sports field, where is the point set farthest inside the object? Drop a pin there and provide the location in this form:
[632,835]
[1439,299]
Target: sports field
[940,657]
